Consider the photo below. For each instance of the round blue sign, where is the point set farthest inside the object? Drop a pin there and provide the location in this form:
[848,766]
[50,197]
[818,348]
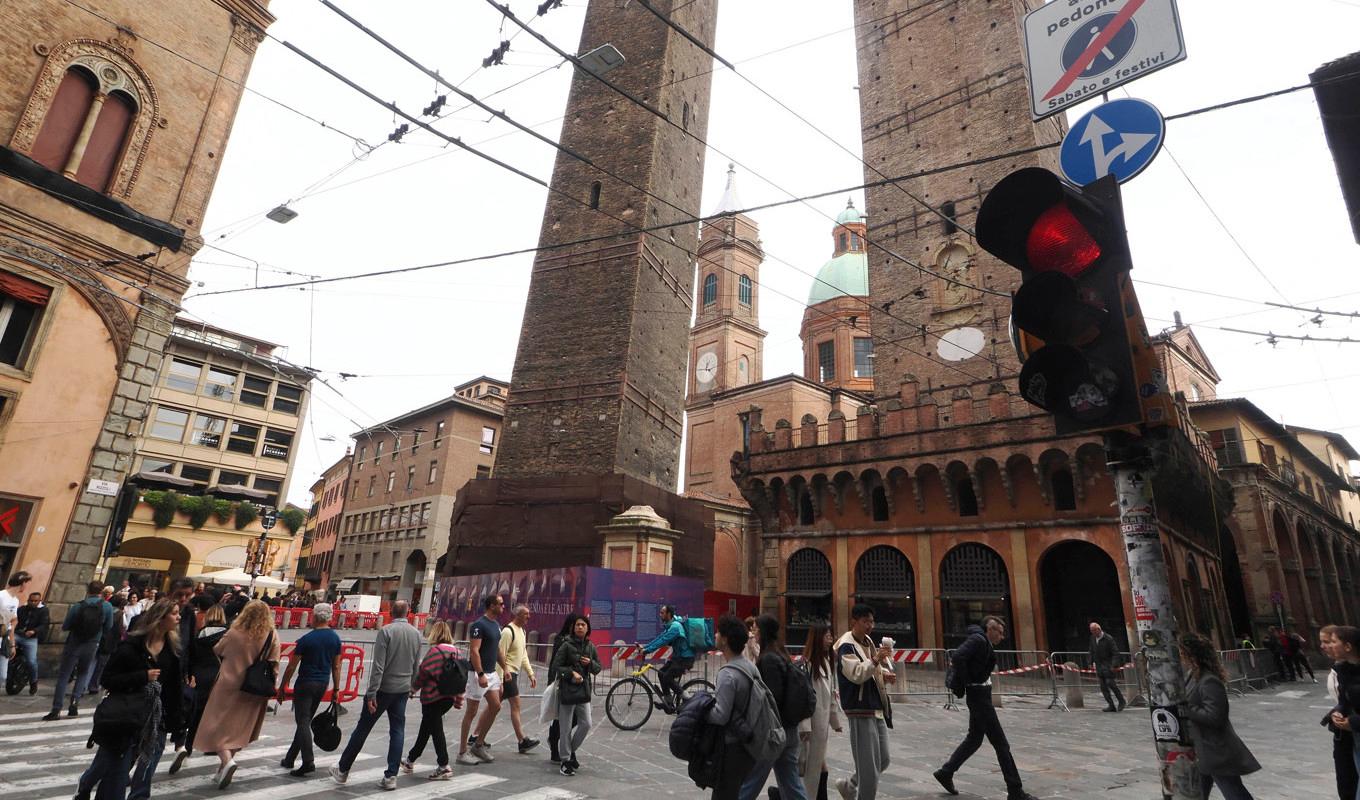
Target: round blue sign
[1118,138]
[1109,55]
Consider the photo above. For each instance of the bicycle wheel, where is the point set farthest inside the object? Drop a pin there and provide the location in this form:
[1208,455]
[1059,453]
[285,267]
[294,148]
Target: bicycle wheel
[693,687]
[629,704]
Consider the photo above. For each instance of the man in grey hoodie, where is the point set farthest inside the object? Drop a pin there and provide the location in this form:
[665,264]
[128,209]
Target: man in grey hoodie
[396,659]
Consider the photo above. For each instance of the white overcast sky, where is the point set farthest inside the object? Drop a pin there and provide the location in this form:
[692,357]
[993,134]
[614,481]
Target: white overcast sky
[1262,168]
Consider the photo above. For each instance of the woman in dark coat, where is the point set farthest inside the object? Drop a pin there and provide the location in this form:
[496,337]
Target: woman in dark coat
[554,730]
[134,676]
[575,665]
[203,667]
[1222,757]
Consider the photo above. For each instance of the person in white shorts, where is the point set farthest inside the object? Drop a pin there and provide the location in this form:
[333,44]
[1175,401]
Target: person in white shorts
[484,645]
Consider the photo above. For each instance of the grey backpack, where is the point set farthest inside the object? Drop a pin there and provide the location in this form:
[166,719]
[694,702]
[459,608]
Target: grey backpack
[760,729]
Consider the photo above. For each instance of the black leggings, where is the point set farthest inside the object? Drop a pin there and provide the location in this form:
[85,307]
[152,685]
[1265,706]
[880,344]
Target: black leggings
[432,727]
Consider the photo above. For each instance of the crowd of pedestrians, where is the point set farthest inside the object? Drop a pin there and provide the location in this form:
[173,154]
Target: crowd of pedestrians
[183,670]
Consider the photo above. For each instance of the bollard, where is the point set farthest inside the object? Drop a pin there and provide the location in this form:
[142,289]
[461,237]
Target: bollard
[1140,673]
[1072,683]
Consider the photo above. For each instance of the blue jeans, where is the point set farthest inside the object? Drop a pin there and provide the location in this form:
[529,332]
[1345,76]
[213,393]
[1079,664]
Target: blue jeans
[110,770]
[76,658]
[28,648]
[393,704]
[785,767]
[141,778]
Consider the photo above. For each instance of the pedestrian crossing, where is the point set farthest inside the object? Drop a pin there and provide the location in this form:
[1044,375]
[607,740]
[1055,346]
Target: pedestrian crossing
[44,760]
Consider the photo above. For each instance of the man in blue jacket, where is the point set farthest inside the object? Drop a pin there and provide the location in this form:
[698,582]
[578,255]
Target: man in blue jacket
[84,624]
[682,657]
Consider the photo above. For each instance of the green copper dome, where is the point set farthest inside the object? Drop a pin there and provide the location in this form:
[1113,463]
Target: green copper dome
[846,274]
[850,215]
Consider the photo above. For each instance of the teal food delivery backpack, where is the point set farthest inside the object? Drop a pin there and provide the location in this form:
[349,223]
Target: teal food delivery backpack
[699,633]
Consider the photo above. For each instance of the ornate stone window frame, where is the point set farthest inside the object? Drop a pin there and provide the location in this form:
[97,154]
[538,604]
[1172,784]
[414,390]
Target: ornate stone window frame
[115,71]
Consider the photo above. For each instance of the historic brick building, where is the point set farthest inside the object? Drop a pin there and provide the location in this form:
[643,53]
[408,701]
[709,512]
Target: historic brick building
[948,497]
[328,506]
[403,480]
[594,418]
[112,136]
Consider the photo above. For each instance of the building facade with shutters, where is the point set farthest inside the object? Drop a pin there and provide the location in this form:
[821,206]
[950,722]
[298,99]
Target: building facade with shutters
[403,479]
[111,135]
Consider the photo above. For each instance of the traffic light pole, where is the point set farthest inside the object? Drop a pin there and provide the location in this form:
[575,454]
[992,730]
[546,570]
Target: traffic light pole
[1150,582]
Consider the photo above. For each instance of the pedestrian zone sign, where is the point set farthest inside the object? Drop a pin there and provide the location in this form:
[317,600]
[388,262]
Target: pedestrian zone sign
[1077,49]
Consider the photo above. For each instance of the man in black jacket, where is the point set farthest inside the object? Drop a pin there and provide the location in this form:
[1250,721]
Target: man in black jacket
[1103,653]
[29,631]
[972,664]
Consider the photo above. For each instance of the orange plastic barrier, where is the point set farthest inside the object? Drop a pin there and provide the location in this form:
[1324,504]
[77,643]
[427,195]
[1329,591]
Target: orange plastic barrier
[299,617]
[351,671]
[279,617]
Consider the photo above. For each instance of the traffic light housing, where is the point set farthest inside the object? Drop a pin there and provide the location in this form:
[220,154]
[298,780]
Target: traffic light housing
[1075,318]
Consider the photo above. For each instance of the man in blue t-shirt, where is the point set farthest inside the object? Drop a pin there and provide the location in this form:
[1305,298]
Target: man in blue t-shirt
[484,645]
[318,655]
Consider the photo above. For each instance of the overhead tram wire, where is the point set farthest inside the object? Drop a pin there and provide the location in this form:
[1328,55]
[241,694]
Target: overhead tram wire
[680,29]
[563,149]
[510,15]
[842,191]
[635,229]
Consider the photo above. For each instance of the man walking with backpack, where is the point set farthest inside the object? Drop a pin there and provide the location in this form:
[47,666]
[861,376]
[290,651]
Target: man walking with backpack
[863,681]
[674,636]
[84,625]
[744,711]
[973,663]
[793,695]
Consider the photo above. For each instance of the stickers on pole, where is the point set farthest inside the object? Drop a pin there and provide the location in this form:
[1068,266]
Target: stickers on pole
[1077,49]
[1166,725]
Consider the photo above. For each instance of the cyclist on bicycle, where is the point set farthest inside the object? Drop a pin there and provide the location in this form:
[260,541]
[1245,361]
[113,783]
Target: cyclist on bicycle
[682,657]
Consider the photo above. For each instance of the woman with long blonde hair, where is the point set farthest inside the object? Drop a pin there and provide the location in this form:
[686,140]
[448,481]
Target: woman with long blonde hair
[434,704]
[233,718]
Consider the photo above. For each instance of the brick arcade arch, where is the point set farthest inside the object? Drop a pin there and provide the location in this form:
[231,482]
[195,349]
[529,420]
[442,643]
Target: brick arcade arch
[974,583]
[1080,585]
[884,579]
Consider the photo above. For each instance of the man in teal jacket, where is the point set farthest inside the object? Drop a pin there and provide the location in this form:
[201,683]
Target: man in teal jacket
[682,657]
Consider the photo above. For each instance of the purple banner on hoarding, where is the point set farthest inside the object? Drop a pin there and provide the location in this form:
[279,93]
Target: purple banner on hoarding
[622,606]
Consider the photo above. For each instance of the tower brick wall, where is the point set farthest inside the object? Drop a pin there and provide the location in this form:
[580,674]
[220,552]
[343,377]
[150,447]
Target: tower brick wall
[599,379]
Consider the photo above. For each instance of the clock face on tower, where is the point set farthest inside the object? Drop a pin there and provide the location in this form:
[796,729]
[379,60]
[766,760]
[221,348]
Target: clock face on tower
[706,369]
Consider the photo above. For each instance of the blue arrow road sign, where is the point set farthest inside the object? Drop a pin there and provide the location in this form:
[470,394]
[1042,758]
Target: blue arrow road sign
[1118,138]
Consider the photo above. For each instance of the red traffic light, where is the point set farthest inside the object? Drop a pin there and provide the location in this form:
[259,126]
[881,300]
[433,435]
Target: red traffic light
[1036,223]
[1058,242]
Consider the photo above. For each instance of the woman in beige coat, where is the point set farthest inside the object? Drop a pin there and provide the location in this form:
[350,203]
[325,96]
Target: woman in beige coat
[233,718]
[814,731]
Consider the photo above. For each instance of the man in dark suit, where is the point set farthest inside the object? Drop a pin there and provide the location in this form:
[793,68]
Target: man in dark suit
[1103,653]
[972,666]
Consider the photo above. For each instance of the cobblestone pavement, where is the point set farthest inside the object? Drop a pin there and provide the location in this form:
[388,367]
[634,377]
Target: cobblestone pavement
[1080,754]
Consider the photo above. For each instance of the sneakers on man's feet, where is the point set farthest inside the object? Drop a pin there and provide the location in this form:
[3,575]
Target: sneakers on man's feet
[479,752]
[388,783]
[303,771]
[466,759]
[339,775]
[51,715]
[442,774]
[526,744]
[408,766]
[1109,709]
[846,791]
[567,768]
[1123,704]
[946,780]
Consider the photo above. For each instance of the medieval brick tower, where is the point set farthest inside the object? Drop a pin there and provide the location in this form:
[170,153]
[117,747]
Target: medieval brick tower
[941,84]
[594,417]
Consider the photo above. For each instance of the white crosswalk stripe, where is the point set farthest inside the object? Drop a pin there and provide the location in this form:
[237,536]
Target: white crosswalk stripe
[549,793]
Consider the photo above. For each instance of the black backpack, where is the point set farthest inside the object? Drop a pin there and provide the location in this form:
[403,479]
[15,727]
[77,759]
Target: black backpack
[800,698]
[453,675]
[88,622]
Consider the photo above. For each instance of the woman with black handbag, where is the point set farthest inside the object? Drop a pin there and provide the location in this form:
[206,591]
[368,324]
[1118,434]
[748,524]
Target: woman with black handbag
[554,730]
[131,722]
[575,666]
[246,681]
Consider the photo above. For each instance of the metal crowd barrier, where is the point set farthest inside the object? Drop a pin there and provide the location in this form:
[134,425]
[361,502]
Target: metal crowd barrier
[1248,670]
[1024,673]
[1080,677]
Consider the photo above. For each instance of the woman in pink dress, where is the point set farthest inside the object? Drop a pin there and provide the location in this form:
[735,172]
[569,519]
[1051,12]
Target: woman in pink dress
[233,718]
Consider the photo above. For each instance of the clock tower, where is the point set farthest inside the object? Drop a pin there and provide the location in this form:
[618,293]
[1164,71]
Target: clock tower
[726,342]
